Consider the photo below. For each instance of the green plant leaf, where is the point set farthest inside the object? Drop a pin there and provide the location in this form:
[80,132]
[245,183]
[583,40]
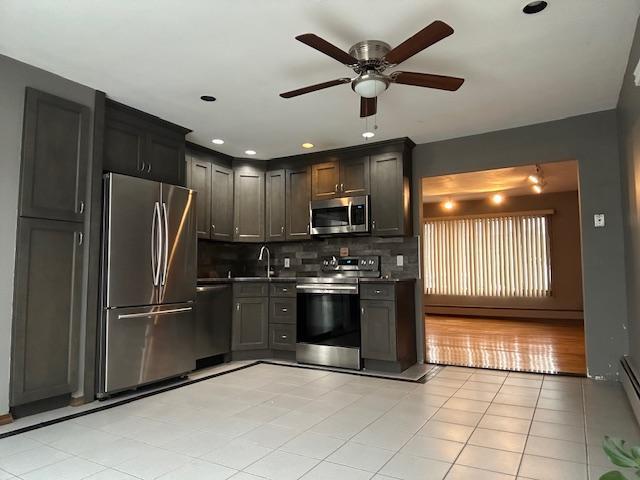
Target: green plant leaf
[635,452]
[614,448]
[613,475]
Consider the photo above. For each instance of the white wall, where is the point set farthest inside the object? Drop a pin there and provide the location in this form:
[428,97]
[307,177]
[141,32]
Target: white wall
[14,78]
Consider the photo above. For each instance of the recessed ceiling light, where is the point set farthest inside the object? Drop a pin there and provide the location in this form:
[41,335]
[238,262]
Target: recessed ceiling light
[497,199]
[207,98]
[534,7]
[250,152]
[537,188]
[308,145]
[534,178]
[448,205]
[218,141]
[368,134]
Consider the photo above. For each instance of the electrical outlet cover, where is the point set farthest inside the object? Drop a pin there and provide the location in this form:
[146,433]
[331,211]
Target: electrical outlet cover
[287,262]
[399,260]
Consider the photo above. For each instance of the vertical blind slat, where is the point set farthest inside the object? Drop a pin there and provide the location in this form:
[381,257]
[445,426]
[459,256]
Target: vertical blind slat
[488,256]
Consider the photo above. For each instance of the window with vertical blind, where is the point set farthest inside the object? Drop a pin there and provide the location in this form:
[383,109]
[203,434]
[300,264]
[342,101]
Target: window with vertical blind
[491,256]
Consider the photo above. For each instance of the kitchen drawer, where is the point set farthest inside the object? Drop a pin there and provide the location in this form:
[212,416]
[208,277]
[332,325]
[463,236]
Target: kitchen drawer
[283,289]
[250,289]
[282,310]
[377,291]
[282,336]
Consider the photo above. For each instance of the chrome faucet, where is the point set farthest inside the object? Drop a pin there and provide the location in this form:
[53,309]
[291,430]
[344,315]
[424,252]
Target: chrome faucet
[261,257]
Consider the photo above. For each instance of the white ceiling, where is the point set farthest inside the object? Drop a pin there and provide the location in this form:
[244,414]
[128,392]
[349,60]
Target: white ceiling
[161,55]
[512,181]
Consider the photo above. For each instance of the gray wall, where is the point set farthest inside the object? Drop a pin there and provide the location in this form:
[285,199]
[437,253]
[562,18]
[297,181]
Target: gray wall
[629,136]
[591,140]
[14,77]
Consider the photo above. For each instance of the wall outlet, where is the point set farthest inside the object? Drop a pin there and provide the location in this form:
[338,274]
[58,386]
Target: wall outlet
[598,220]
[344,251]
[287,262]
[399,260]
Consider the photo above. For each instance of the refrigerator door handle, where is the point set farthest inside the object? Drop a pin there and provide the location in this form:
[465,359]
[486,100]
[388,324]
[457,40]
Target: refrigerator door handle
[151,314]
[165,267]
[156,244]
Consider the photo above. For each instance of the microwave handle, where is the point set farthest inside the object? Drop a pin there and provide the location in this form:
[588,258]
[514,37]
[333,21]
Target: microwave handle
[349,214]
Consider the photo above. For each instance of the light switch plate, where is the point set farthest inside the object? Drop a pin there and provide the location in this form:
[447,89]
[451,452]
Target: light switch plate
[399,260]
[598,220]
[287,262]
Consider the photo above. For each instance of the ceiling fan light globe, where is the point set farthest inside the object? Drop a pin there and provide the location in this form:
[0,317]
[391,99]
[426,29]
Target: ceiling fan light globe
[370,85]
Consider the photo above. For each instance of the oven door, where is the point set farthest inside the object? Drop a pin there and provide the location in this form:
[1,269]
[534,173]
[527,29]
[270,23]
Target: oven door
[340,215]
[328,314]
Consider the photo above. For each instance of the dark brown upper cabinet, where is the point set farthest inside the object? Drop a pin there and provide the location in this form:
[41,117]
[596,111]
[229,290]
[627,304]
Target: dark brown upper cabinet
[298,197]
[275,215]
[55,157]
[390,194]
[213,181]
[165,158]
[141,145]
[347,177]
[222,203]
[199,179]
[325,180]
[354,176]
[248,204]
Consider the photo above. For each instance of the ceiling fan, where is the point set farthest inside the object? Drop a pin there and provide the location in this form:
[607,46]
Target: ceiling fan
[369,60]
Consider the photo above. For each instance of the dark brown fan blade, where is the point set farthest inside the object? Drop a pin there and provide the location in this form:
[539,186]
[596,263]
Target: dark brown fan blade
[424,38]
[313,88]
[327,48]
[368,106]
[428,80]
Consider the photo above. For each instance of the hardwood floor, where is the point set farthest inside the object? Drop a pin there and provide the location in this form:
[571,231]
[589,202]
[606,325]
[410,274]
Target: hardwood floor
[549,346]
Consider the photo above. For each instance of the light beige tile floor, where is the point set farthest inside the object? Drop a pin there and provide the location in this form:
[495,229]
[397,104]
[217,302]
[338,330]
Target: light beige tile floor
[279,423]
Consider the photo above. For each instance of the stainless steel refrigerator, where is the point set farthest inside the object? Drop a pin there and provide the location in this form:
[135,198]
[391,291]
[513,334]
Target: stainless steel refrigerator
[149,276]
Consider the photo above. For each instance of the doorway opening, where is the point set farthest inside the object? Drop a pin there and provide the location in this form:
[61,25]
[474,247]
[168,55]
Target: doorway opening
[502,271]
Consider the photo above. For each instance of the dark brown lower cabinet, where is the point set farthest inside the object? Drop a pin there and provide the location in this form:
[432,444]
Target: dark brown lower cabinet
[48,298]
[250,328]
[282,336]
[387,323]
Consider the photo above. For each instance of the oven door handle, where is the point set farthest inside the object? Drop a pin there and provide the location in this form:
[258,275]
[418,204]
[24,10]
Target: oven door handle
[331,289]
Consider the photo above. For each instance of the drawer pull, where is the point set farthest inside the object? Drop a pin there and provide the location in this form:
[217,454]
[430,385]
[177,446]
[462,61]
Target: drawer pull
[378,292]
[284,310]
[285,289]
[283,337]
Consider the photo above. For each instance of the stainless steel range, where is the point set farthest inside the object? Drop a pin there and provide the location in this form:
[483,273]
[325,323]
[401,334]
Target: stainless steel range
[329,312]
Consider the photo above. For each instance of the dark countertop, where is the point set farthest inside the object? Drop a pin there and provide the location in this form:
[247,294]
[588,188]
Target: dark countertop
[386,280]
[206,281]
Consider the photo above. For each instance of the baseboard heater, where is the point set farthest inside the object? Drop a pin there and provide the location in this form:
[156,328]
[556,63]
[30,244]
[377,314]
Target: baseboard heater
[631,385]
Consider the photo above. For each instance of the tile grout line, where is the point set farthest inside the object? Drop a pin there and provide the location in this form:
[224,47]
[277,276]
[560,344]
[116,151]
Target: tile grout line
[526,440]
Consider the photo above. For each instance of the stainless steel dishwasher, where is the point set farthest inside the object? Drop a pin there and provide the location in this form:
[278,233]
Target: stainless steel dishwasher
[213,320]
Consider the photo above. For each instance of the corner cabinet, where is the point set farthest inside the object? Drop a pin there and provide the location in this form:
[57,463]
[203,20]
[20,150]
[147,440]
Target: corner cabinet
[141,145]
[390,194]
[275,214]
[248,204]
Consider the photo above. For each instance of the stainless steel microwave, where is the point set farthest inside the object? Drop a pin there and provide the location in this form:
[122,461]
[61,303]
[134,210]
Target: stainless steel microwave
[340,215]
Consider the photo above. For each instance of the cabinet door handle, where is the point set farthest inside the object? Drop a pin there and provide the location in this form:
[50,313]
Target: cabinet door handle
[373,224]
[362,311]
[80,238]
[238,307]
[337,188]
[149,168]
[237,229]
[282,229]
[308,228]
[342,187]
[141,167]
[213,227]
[81,207]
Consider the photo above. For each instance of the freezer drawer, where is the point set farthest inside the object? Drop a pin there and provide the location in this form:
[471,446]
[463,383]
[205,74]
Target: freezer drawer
[146,344]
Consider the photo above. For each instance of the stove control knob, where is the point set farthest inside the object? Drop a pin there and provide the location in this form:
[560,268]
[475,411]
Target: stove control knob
[371,262]
[363,262]
[325,263]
